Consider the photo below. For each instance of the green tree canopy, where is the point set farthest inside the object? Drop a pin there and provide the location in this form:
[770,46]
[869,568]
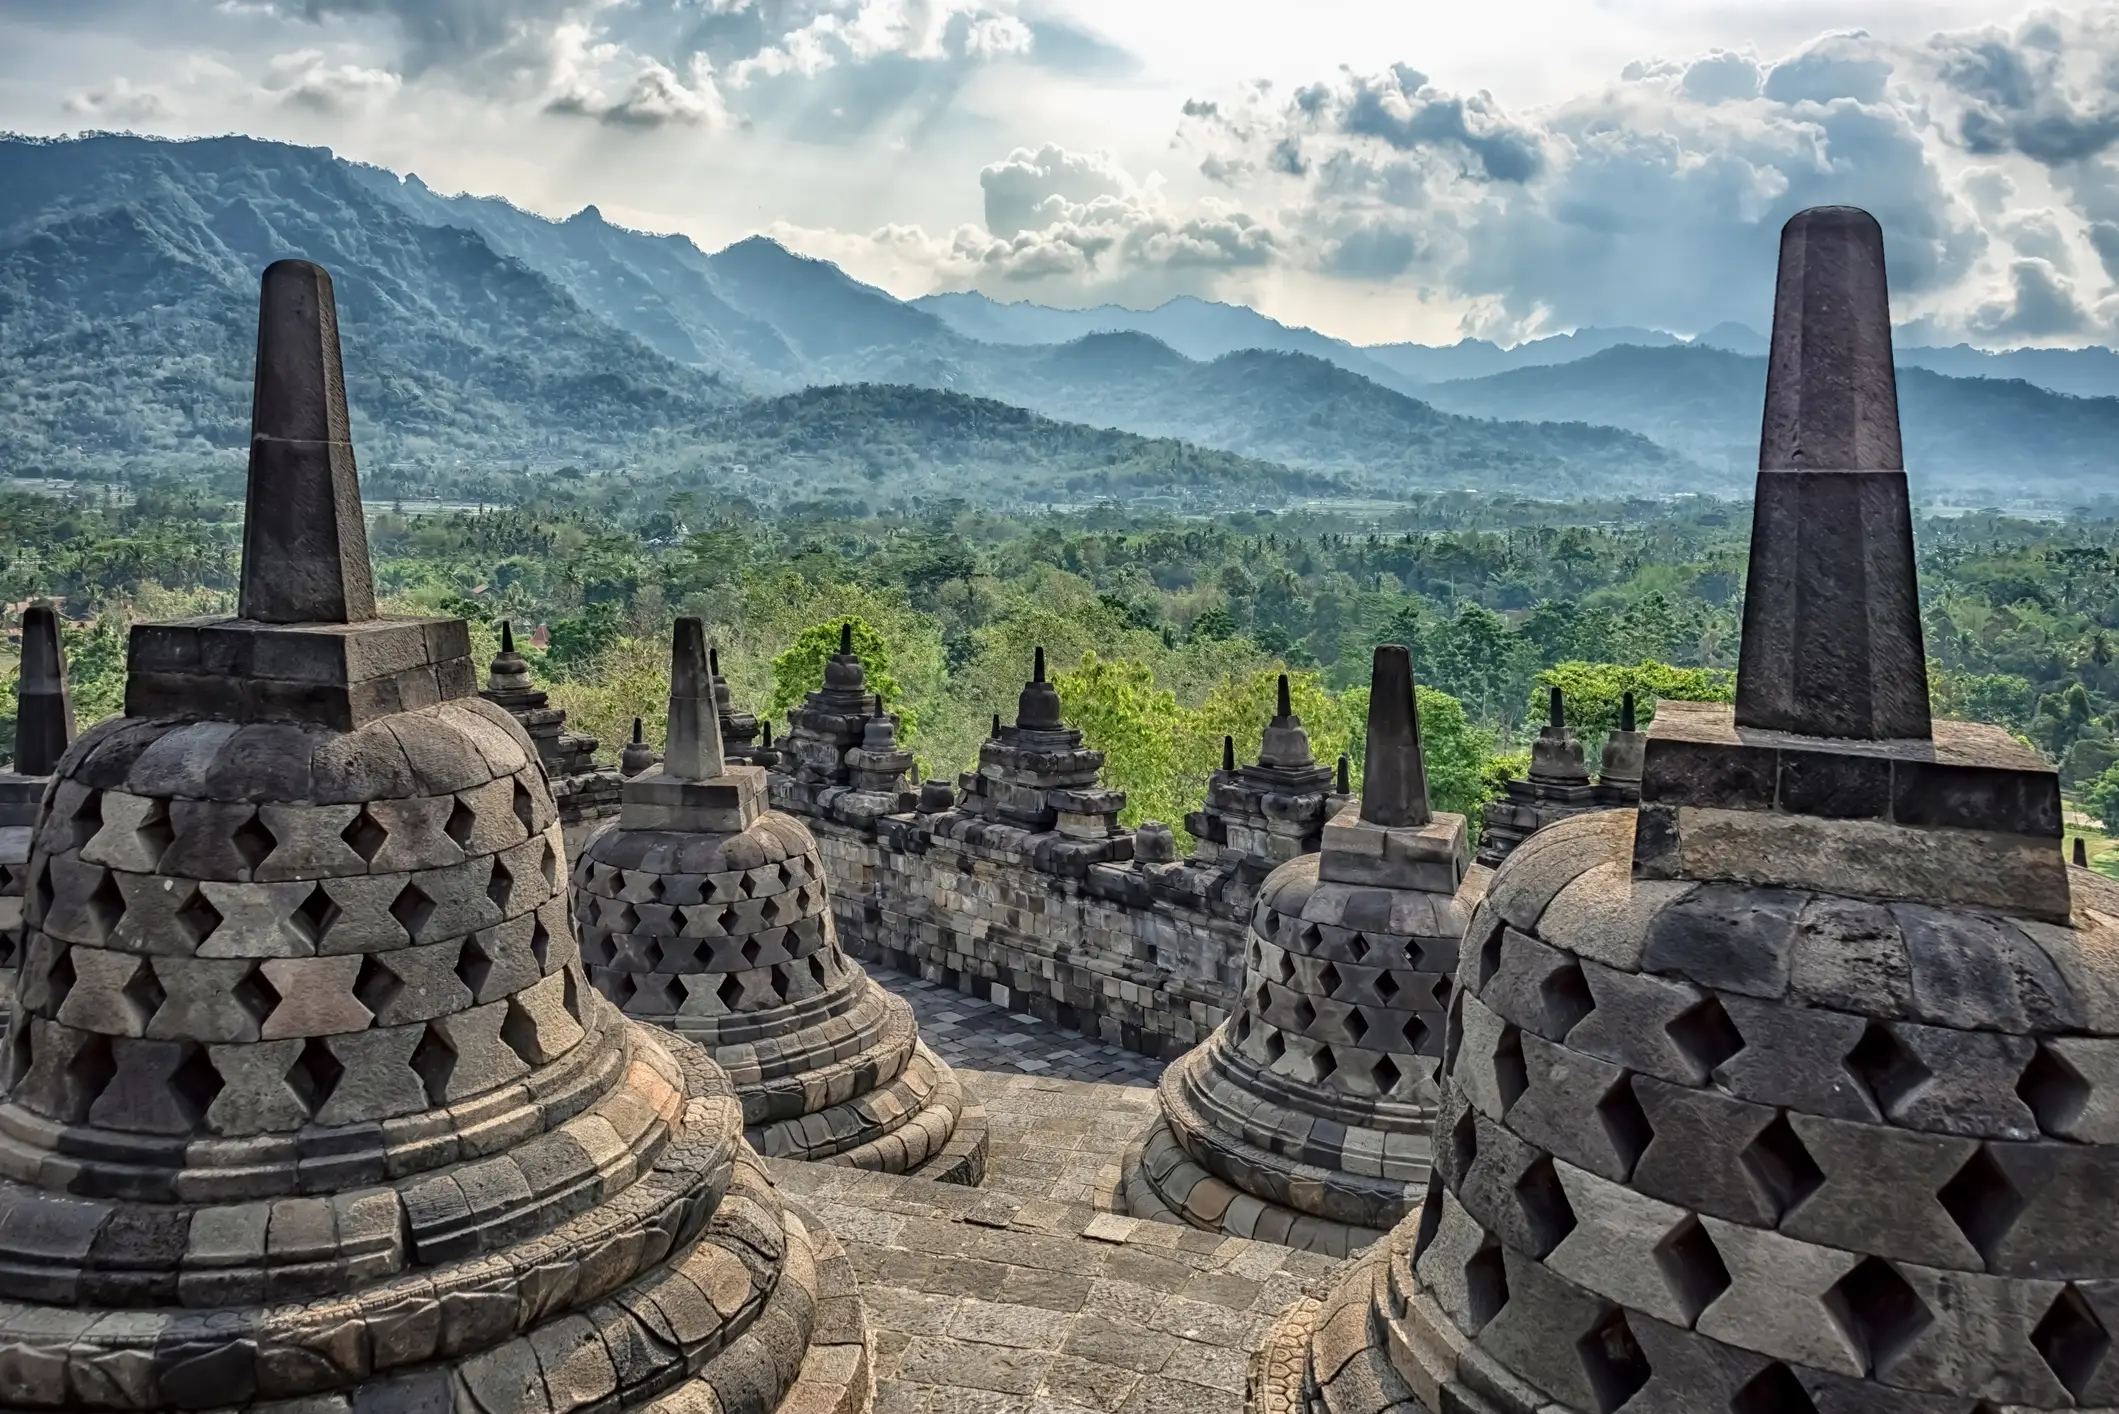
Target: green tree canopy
[799,670]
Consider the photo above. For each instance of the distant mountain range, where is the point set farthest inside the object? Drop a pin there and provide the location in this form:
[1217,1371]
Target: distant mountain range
[477,331]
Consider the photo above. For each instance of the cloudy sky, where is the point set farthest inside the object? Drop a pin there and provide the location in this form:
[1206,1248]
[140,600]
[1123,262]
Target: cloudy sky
[1379,169]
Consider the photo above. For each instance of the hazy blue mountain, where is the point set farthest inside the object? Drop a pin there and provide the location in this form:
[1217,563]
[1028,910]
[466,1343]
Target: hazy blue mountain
[128,297]
[1307,412]
[1199,329]
[1734,338]
[1995,438]
[1479,358]
[2083,373]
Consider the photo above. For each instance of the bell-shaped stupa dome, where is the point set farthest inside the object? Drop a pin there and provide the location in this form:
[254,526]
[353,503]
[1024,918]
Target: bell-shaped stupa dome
[309,1100]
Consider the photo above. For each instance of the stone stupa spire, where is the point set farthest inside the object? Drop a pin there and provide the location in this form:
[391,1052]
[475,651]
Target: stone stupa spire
[305,543]
[1394,779]
[692,749]
[1832,639]
[44,710]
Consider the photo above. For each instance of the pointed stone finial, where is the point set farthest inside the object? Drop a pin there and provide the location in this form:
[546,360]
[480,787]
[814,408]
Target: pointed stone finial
[305,544]
[1555,710]
[2082,853]
[996,726]
[846,639]
[1626,713]
[1284,708]
[507,637]
[638,736]
[1228,753]
[693,751]
[1346,775]
[713,661]
[1394,780]
[765,733]
[44,711]
[1039,707]
[1832,636]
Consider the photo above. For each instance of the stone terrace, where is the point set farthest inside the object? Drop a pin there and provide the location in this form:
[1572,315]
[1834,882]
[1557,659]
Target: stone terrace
[1035,1292]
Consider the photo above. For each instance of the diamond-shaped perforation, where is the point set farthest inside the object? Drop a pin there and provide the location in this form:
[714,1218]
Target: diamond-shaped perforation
[2053,1090]
[1386,1074]
[1773,1390]
[1357,1026]
[256,995]
[1386,987]
[1886,1067]
[154,832]
[570,994]
[1511,1074]
[1547,1214]
[89,1072]
[1625,1122]
[1304,1014]
[750,951]
[473,966]
[313,916]
[1276,1046]
[524,810]
[2071,1340]
[1983,1202]
[106,906]
[1706,1035]
[1692,1266]
[1324,1064]
[198,918]
[462,821]
[500,885]
[1463,1146]
[1781,1167]
[1357,946]
[1328,980]
[541,945]
[817,969]
[1880,1312]
[58,980]
[1566,997]
[377,986]
[254,843]
[1485,1283]
[783,983]
[365,836]
[1416,1033]
[434,1062]
[730,991]
[87,820]
[1489,958]
[1283,969]
[519,1033]
[143,991]
[1613,1362]
[548,865]
[195,1084]
[315,1073]
[413,910]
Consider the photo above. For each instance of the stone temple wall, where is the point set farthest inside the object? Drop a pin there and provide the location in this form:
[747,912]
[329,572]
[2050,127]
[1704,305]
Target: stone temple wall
[1145,956]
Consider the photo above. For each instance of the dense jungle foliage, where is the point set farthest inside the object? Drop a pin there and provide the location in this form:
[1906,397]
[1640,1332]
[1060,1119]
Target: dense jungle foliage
[1164,632]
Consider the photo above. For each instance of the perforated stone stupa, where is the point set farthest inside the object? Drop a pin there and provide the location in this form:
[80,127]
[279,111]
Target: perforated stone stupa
[44,726]
[1559,786]
[585,793]
[702,910]
[1304,1119]
[310,1104]
[1791,1090]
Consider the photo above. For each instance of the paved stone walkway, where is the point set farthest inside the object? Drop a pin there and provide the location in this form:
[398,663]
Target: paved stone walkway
[986,1302]
[1061,1109]
[976,1035]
